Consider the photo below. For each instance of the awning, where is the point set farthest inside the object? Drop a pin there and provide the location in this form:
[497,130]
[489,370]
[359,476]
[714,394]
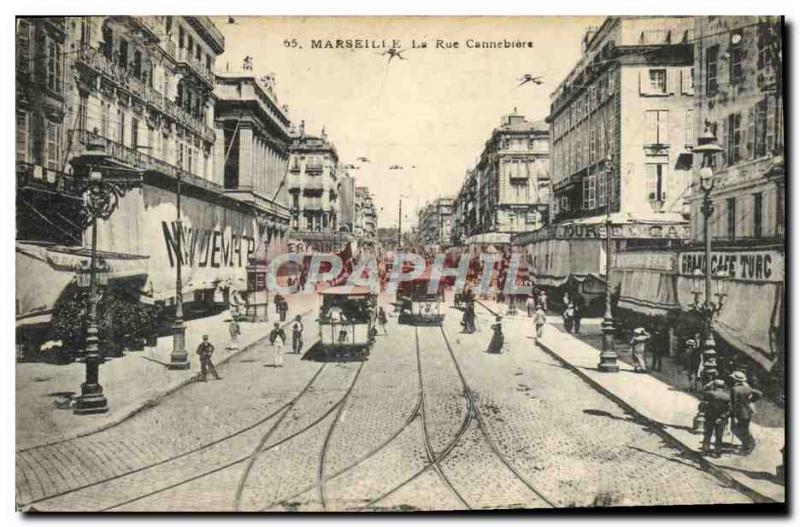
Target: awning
[648,292]
[489,238]
[750,319]
[44,271]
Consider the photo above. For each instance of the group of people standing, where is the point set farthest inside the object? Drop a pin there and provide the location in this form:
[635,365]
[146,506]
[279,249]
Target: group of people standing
[728,402]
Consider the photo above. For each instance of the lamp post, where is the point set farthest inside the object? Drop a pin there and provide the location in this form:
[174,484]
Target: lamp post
[179,358]
[608,357]
[101,198]
[708,148]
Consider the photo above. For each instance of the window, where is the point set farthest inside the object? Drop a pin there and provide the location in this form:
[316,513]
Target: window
[657,123]
[734,139]
[760,129]
[564,204]
[758,208]
[712,54]
[658,81]
[83,111]
[735,64]
[134,133]
[123,54]
[590,192]
[168,24]
[180,37]
[137,63]
[731,209]
[24,51]
[22,136]
[108,43]
[54,66]
[52,144]
[121,127]
[656,185]
[687,81]
[763,45]
[105,109]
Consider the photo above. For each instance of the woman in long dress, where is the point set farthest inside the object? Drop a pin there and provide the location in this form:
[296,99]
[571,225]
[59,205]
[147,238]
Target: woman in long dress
[638,344]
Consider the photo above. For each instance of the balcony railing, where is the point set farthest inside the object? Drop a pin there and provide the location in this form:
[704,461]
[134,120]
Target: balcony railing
[185,57]
[125,79]
[32,177]
[139,160]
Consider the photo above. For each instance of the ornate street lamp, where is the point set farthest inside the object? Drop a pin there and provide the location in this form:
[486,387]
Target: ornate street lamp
[179,358]
[707,147]
[101,197]
[608,357]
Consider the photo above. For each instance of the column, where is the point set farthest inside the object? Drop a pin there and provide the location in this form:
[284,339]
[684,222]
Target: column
[245,157]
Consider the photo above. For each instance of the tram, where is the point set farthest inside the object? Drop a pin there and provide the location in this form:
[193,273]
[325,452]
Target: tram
[417,304]
[347,321]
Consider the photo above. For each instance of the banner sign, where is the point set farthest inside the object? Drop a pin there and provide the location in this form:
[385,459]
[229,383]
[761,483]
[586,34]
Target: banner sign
[754,266]
[578,231]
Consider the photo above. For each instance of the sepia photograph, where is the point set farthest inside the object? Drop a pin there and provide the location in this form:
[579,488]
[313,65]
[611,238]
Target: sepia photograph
[292,264]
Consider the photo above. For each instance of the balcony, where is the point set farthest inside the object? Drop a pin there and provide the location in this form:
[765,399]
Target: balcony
[125,80]
[31,177]
[189,62]
[313,187]
[141,161]
[315,168]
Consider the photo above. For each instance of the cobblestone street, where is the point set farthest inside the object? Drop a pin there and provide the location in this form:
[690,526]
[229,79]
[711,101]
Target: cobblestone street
[515,430]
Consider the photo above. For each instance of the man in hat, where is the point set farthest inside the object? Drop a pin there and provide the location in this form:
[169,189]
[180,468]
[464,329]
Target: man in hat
[297,334]
[742,396]
[204,351]
[530,305]
[277,338]
[539,320]
[716,401]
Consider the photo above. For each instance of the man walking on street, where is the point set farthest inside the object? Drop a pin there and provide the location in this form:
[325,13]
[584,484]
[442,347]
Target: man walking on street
[297,335]
[742,396]
[382,320]
[204,351]
[716,401]
[235,331]
[277,338]
[539,320]
[657,353]
[530,305]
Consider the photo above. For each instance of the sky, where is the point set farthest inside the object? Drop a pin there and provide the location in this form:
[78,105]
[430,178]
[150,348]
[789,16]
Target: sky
[432,110]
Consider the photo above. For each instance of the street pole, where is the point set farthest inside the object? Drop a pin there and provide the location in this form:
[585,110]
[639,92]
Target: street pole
[179,358]
[608,357]
[399,223]
[92,400]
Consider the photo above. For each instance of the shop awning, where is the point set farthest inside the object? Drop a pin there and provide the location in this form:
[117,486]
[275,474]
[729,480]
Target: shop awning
[44,271]
[648,292]
[750,319]
[489,238]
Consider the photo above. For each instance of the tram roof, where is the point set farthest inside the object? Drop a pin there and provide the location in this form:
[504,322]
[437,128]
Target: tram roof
[345,290]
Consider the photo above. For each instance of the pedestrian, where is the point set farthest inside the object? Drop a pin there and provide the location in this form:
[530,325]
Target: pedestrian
[235,331]
[496,344]
[539,320]
[277,338]
[297,334]
[278,301]
[742,398]
[543,300]
[569,317]
[692,363]
[382,320]
[470,314]
[283,308]
[530,305]
[577,315]
[204,351]
[658,353]
[716,402]
[638,345]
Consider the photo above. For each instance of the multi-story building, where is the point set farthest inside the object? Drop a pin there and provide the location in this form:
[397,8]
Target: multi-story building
[435,222]
[365,215]
[347,201]
[465,208]
[313,183]
[622,129]
[739,99]
[129,98]
[252,148]
[512,186]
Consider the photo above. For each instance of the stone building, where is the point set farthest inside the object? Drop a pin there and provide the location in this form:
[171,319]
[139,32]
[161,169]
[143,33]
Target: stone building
[366,219]
[129,98]
[621,128]
[435,222]
[313,183]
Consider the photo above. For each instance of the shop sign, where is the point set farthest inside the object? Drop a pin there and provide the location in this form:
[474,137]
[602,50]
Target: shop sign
[754,266]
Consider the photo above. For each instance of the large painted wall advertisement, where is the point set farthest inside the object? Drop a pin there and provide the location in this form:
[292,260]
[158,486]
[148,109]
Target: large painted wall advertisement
[216,244]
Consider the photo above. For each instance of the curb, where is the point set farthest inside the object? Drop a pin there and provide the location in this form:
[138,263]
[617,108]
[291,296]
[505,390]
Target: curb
[657,428]
[153,402]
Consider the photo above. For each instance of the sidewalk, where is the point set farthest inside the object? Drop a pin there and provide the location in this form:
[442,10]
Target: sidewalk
[667,408]
[131,383]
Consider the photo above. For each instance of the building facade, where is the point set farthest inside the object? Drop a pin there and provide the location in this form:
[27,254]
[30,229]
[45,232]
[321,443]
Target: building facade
[435,222]
[313,183]
[128,98]
[366,218]
[622,129]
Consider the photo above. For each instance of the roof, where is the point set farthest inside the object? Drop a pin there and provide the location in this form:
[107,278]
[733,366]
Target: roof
[525,126]
[358,290]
